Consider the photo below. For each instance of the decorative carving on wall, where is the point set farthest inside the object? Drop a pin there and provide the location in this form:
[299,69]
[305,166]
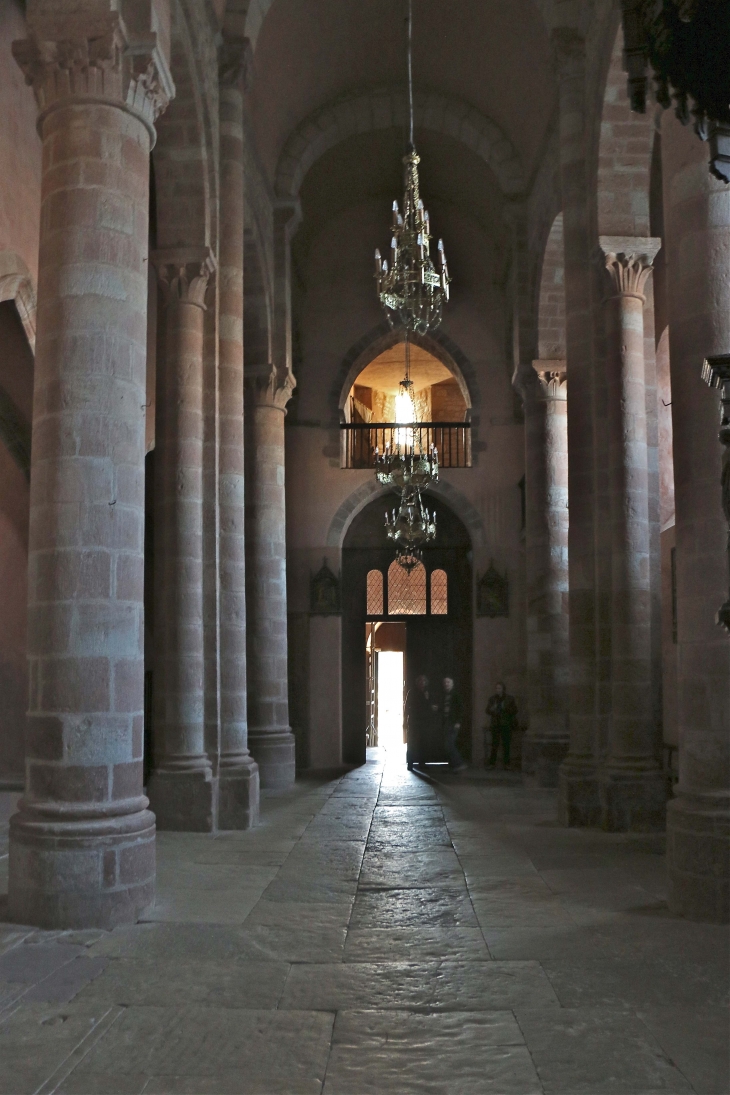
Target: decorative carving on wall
[324,592]
[493,593]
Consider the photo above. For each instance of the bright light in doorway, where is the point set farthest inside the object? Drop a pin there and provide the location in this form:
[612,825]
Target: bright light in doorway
[390,700]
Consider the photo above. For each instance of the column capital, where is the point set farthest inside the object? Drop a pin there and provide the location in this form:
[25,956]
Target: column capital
[629,261]
[235,58]
[269,386]
[184,273]
[91,55]
[543,380]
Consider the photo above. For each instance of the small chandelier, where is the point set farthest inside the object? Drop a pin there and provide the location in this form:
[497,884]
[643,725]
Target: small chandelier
[410,527]
[411,289]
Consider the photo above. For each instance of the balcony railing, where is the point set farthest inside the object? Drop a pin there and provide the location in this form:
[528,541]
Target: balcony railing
[360,440]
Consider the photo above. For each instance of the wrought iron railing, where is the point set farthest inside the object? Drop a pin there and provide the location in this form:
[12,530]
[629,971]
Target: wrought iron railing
[361,439]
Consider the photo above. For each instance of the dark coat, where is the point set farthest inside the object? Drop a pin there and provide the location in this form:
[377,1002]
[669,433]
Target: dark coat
[456,708]
[502,712]
[419,723]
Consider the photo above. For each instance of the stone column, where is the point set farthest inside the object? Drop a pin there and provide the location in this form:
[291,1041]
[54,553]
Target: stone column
[544,392]
[270,388]
[632,787]
[238,772]
[270,737]
[578,783]
[82,845]
[182,789]
[697,234]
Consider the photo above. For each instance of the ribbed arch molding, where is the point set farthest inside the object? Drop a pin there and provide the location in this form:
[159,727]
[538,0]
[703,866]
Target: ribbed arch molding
[385,108]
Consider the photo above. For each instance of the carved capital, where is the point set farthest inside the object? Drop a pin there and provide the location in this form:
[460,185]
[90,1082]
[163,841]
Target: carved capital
[629,261]
[235,60]
[92,56]
[269,386]
[552,378]
[184,274]
[543,381]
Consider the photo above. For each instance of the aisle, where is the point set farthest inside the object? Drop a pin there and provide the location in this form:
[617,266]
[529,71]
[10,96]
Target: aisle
[382,933]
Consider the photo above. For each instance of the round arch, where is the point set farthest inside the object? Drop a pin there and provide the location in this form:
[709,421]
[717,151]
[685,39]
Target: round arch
[16,284]
[367,492]
[385,108]
[381,338]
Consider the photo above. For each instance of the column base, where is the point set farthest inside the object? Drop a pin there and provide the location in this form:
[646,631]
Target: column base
[184,801]
[273,751]
[578,801]
[238,796]
[542,757]
[75,868]
[633,800]
[698,857]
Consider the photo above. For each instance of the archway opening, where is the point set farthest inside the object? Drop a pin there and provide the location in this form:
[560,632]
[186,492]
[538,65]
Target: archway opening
[376,395]
[425,618]
[379,412]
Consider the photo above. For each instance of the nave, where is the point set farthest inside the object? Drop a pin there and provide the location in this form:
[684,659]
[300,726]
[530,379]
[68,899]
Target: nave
[385,932]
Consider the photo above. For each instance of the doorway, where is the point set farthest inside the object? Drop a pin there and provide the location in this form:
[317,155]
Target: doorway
[385,657]
[424,617]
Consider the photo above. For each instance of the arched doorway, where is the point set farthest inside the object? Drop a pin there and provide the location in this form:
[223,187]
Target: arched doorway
[432,611]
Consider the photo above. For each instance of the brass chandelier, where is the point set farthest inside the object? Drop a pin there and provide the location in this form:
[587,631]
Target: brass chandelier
[411,289]
[412,294]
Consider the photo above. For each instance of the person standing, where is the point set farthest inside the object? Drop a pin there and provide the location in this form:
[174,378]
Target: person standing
[419,717]
[451,710]
[502,714]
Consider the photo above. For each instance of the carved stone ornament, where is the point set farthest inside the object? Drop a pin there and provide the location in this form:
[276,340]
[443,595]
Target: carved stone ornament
[269,386]
[184,274]
[686,44]
[629,261]
[493,593]
[94,57]
[543,381]
[324,599]
[716,373]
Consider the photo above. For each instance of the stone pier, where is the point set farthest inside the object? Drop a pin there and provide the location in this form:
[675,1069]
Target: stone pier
[238,773]
[182,789]
[632,787]
[82,844]
[578,782]
[697,225]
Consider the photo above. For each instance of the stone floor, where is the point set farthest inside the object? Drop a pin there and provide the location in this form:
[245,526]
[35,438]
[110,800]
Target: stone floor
[383,933]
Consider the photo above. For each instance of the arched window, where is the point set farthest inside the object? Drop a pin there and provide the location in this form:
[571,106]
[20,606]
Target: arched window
[406,591]
[439,593]
[375,593]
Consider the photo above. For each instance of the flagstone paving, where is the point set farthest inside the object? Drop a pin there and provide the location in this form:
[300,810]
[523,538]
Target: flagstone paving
[386,932]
